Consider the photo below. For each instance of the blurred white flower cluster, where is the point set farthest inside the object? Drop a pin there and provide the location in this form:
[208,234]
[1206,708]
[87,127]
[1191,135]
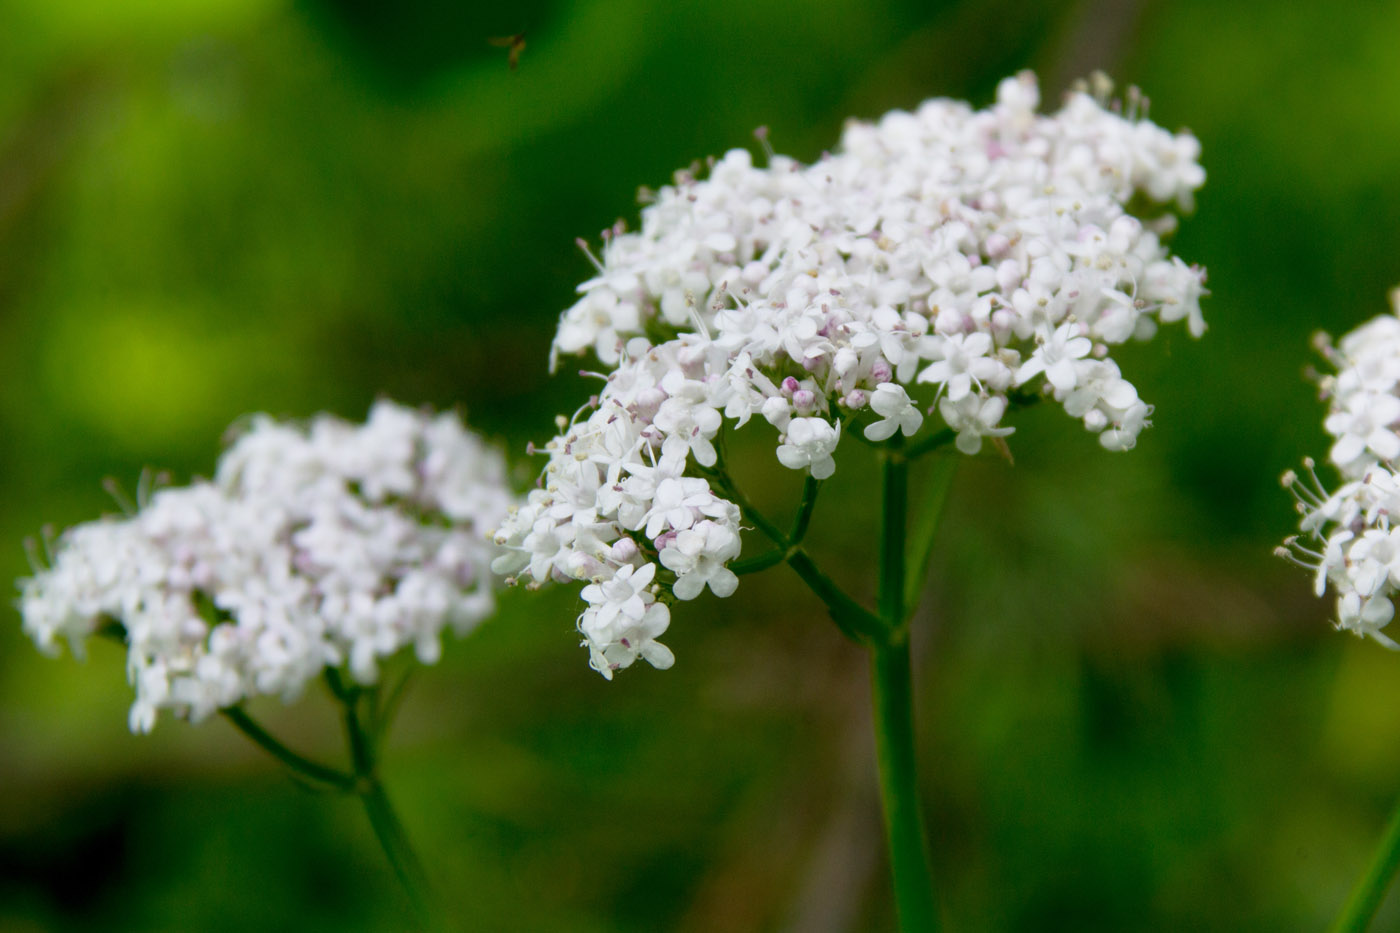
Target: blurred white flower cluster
[1347,536]
[942,261]
[316,545]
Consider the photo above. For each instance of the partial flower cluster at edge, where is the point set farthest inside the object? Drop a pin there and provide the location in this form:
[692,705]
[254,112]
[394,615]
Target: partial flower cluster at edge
[316,545]
[1347,539]
[946,262]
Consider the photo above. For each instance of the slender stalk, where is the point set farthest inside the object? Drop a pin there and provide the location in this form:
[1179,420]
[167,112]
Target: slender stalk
[803,518]
[384,710]
[299,764]
[890,675]
[758,562]
[857,622]
[1371,888]
[919,540]
[385,822]
[392,838]
[761,522]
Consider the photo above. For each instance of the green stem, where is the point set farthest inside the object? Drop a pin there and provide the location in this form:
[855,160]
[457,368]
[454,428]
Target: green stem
[760,521]
[385,709]
[890,675]
[385,822]
[299,764]
[891,682]
[1370,890]
[758,562]
[919,541]
[857,622]
[392,838]
[803,518]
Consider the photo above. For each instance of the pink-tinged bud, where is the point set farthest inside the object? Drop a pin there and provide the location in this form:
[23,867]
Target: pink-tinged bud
[624,550]
[805,401]
[856,399]
[790,385]
[881,371]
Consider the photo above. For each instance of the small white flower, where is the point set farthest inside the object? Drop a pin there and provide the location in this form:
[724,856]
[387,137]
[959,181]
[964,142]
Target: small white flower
[1056,356]
[677,503]
[635,639]
[620,594]
[1365,426]
[896,411]
[810,444]
[698,556]
[964,364]
[974,418]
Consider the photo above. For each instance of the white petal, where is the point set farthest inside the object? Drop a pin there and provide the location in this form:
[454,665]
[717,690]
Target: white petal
[881,430]
[688,586]
[658,655]
[724,582]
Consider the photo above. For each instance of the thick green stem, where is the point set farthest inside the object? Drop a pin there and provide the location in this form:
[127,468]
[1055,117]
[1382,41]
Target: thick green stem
[1370,890]
[891,679]
[890,675]
[885,634]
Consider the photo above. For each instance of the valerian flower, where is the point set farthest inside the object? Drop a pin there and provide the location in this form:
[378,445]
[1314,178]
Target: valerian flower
[946,262]
[324,544]
[1348,538]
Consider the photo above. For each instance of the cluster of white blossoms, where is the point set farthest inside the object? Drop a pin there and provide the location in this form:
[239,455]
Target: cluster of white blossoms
[320,545]
[948,260]
[1347,536]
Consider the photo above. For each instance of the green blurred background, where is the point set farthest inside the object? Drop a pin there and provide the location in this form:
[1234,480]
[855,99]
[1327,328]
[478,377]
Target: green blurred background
[1132,715]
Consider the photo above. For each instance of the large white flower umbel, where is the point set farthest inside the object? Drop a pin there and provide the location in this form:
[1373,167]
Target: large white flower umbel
[313,547]
[948,262]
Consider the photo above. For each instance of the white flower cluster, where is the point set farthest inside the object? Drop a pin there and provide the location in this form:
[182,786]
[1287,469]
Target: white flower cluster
[943,260]
[1348,538]
[616,502]
[313,546]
